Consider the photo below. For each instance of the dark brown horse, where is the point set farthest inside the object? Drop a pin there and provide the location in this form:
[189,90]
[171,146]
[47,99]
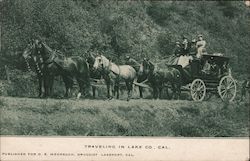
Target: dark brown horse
[159,77]
[55,64]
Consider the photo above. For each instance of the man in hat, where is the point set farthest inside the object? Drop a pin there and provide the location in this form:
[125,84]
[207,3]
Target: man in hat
[130,61]
[193,49]
[185,45]
[245,89]
[177,52]
[200,45]
[177,49]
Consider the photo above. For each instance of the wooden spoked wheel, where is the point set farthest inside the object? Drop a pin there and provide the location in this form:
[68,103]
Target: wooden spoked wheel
[198,90]
[227,88]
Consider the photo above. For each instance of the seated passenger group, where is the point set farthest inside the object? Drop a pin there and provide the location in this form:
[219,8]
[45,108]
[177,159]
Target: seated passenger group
[185,51]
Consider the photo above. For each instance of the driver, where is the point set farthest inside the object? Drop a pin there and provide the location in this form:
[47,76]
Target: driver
[130,61]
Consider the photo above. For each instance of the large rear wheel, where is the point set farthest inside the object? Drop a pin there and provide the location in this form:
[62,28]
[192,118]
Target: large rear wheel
[227,88]
[198,90]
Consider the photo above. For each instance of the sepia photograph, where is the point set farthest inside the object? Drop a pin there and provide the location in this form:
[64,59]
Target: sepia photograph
[124,80]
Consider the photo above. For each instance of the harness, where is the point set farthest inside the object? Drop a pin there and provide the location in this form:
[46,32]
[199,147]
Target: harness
[119,70]
[50,60]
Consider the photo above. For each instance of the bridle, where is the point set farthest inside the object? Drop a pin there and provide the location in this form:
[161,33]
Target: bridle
[108,66]
[149,67]
[30,53]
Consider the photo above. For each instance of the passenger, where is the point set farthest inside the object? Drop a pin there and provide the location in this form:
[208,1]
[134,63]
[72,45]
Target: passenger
[193,49]
[207,67]
[185,45]
[224,68]
[215,69]
[184,60]
[200,45]
[177,52]
[177,49]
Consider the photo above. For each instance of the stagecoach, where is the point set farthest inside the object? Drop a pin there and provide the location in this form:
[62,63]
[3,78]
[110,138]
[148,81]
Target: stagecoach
[208,75]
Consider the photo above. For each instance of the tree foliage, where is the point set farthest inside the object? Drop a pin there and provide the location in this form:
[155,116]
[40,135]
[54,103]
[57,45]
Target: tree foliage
[119,28]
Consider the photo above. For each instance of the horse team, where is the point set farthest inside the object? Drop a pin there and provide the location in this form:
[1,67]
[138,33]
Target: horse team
[49,63]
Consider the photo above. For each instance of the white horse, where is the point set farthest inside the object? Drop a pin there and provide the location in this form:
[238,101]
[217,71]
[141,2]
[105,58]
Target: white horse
[116,72]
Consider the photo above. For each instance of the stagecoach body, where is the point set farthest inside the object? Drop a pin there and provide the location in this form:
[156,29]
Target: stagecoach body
[202,84]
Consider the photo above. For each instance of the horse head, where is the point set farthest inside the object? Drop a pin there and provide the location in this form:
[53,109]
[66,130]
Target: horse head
[27,54]
[147,67]
[90,59]
[42,52]
[31,52]
[28,51]
[101,62]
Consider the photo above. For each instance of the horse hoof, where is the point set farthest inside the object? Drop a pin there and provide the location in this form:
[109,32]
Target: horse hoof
[78,95]
[108,98]
[44,97]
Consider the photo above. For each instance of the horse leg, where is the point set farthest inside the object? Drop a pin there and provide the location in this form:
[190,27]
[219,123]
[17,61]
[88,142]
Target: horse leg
[86,85]
[108,84]
[81,87]
[116,89]
[139,80]
[167,86]
[46,86]
[153,87]
[40,81]
[51,83]
[93,91]
[113,88]
[160,92]
[68,84]
[141,90]
[108,90]
[174,91]
[179,90]
[156,92]
[66,87]
[128,89]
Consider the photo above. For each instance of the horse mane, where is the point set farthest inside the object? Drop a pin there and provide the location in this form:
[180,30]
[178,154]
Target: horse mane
[51,51]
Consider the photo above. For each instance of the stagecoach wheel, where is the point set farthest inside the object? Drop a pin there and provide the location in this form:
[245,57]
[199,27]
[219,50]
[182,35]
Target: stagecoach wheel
[198,90]
[227,88]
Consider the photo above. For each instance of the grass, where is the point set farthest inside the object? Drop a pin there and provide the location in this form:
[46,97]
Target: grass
[26,116]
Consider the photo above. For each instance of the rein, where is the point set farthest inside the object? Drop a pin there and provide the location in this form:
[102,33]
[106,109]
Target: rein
[52,55]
